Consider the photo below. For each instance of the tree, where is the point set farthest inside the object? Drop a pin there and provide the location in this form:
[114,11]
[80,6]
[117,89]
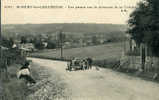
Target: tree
[95,40]
[7,42]
[38,43]
[144,26]
[138,23]
[10,42]
[23,39]
[51,43]
[154,40]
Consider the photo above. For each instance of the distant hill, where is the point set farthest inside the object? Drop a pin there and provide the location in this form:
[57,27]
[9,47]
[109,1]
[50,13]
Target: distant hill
[52,28]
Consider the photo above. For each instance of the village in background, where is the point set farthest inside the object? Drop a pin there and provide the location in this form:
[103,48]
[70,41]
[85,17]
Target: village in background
[49,36]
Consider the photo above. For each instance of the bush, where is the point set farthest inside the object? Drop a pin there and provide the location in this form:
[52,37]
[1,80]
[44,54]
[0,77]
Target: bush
[133,53]
[39,45]
[14,90]
[107,63]
[51,45]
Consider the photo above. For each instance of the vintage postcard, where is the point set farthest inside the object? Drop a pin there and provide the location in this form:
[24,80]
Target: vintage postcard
[79,50]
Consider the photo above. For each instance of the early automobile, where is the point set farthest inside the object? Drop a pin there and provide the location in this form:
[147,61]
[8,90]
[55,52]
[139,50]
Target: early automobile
[75,64]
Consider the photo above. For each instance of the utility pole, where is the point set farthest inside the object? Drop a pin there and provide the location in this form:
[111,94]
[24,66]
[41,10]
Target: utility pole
[0,42]
[61,43]
[60,40]
[0,34]
[143,56]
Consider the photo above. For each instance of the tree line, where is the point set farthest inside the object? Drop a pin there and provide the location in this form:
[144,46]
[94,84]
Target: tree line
[144,25]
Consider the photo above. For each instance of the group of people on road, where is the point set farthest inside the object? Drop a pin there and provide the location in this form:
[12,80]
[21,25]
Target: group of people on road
[82,64]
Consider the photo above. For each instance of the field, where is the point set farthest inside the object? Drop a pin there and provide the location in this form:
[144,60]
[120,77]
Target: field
[100,52]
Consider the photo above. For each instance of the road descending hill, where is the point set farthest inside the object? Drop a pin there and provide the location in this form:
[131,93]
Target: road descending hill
[102,84]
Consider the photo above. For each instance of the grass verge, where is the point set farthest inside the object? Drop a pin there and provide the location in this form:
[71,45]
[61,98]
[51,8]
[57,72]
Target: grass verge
[14,88]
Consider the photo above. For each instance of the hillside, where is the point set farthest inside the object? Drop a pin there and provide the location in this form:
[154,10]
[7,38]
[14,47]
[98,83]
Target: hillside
[71,28]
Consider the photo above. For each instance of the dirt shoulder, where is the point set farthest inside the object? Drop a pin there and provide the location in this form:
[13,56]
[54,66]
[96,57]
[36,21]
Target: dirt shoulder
[49,84]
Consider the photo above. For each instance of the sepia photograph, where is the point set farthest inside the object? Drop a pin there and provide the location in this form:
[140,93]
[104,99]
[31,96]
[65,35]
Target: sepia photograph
[79,50]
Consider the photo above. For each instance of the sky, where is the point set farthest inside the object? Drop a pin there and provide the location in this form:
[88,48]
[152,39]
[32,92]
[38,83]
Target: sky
[13,15]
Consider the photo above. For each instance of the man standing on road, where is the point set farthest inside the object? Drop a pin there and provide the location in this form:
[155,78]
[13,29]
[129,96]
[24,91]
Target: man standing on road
[89,62]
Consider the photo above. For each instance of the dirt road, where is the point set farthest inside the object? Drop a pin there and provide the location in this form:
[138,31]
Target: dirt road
[103,84]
